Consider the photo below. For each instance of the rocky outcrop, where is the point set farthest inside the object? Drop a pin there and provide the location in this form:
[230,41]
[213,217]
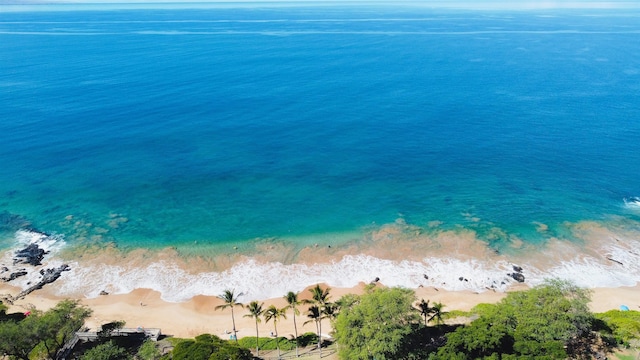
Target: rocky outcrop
[31,255]
[14,275]
[48,276]
[517,274]
[517,277]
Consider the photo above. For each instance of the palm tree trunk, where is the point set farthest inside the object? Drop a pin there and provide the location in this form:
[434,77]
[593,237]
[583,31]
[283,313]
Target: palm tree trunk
[233,320]
[257,347]
[277,340]
[295,330]
[320,337]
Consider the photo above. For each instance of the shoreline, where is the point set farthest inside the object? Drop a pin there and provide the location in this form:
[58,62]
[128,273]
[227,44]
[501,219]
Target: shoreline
[178,294]
[145,308]
[396,255]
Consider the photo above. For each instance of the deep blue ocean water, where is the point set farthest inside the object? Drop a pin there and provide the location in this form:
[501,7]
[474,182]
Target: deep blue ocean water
[222,125]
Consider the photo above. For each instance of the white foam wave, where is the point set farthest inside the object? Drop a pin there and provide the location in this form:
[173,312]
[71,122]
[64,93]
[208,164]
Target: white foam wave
[49,243]
[616,263]
[619,265]
[269,280]
[632,203]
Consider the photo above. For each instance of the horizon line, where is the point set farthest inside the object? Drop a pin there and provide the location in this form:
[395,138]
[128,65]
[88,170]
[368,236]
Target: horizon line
[525,5]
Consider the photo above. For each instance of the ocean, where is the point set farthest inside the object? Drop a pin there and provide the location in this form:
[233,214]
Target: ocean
[268,147]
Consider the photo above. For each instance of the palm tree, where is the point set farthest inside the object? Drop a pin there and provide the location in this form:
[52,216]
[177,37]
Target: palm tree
[425,310]
[320,298]
[331,312]
[315,314]
[293,302]
[255,311]
[230,300]
[274,313]
[437,312]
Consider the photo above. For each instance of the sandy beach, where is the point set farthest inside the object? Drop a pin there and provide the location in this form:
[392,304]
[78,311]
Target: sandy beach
[144,307]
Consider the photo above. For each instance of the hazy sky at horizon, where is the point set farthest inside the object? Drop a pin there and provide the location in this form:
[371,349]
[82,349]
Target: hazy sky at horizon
[460,4]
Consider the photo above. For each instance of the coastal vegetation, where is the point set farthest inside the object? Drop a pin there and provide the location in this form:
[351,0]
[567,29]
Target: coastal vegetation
[550,321]
[377,325]
[36,334]
[209,347]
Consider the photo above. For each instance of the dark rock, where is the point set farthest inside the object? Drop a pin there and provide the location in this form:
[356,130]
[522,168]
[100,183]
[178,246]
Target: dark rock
[31,255]
[48,276]
[426,277]
[104,292]
[517,277]
[460,278]
[517,268]
[4,269]
[14,276]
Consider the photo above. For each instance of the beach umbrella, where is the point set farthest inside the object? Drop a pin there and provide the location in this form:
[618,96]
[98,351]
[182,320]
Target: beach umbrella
[624,308]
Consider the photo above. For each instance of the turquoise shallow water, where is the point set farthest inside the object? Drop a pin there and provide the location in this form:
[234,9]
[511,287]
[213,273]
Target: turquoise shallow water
[164,127]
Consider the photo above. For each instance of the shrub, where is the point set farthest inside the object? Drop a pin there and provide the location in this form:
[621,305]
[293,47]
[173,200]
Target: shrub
[107,351]
[624,325]
[207,346]
[148,351]
[267,343]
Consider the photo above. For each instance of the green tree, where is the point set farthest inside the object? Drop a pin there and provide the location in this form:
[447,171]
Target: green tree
[59,324]
[293,303]
[255,311]
[106,351]
[148,351]
[19,338]
[106,330]
[378,325]
[545,322]
[425,310]
[273,313]
[230,301]
[41,333]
